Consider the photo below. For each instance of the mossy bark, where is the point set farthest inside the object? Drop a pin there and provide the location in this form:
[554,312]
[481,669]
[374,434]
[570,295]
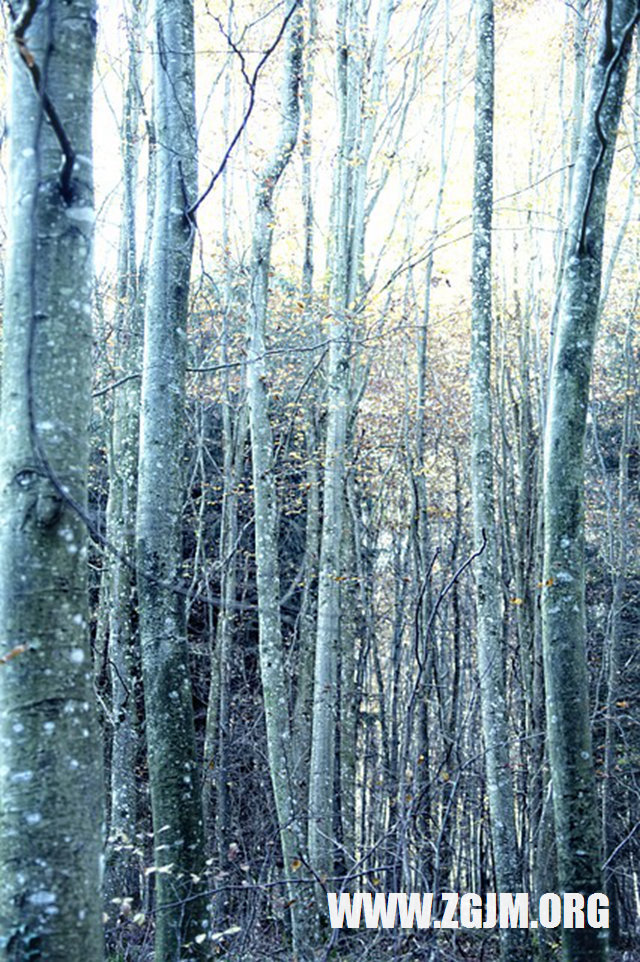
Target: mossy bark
[576,812]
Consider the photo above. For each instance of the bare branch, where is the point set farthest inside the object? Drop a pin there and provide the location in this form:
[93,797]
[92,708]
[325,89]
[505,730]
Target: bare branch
[251,83]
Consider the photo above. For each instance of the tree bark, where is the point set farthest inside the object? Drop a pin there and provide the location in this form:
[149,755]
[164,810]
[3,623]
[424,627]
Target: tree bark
[122,876]
[173,776]
[576,813]
[346,250]
[272,670]
[486,568]
[51,800]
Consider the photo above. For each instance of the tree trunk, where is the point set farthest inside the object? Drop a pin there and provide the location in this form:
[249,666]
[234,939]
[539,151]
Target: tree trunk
[578,829]
[274,687]
[344,278]
[174,782]
[51,802]
[620,565]
[488,592]
[121,877]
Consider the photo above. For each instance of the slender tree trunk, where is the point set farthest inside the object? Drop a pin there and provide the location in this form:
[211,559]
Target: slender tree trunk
[217,750]
[217,814]
[304,682]
[488,592]
[578,829]
[308,606]
[175,798]
[274,688]
[51,800]
[325,694]
[620,565]
[121,878]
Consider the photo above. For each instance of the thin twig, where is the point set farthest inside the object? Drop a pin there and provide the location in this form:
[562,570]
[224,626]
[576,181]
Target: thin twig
[251,83]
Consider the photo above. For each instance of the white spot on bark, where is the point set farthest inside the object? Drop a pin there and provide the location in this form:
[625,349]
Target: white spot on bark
[22,776]
[83,214]
[42,898]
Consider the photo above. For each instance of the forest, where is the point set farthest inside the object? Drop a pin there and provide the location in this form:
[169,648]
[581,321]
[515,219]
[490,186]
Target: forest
[319,462]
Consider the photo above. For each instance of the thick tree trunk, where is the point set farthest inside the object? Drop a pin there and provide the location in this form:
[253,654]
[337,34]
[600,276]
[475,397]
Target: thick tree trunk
[51,802]
[173,776]
[578,829]
[488,592]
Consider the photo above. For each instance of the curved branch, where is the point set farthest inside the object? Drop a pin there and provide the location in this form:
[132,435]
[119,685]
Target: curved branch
[251,83]
[613,63]
[22,23]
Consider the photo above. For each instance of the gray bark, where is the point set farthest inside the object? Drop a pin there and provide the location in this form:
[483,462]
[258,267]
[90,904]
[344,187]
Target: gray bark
[486,567]
[51,802]
[620,556]
[303,706]
[173,776]
[576,813]
[346,253]
[217,749]
[274,688]
[349,213]
[122,874]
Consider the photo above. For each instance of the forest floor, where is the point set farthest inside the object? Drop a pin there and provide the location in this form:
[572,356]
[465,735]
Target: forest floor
[379,949]
[351,947]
